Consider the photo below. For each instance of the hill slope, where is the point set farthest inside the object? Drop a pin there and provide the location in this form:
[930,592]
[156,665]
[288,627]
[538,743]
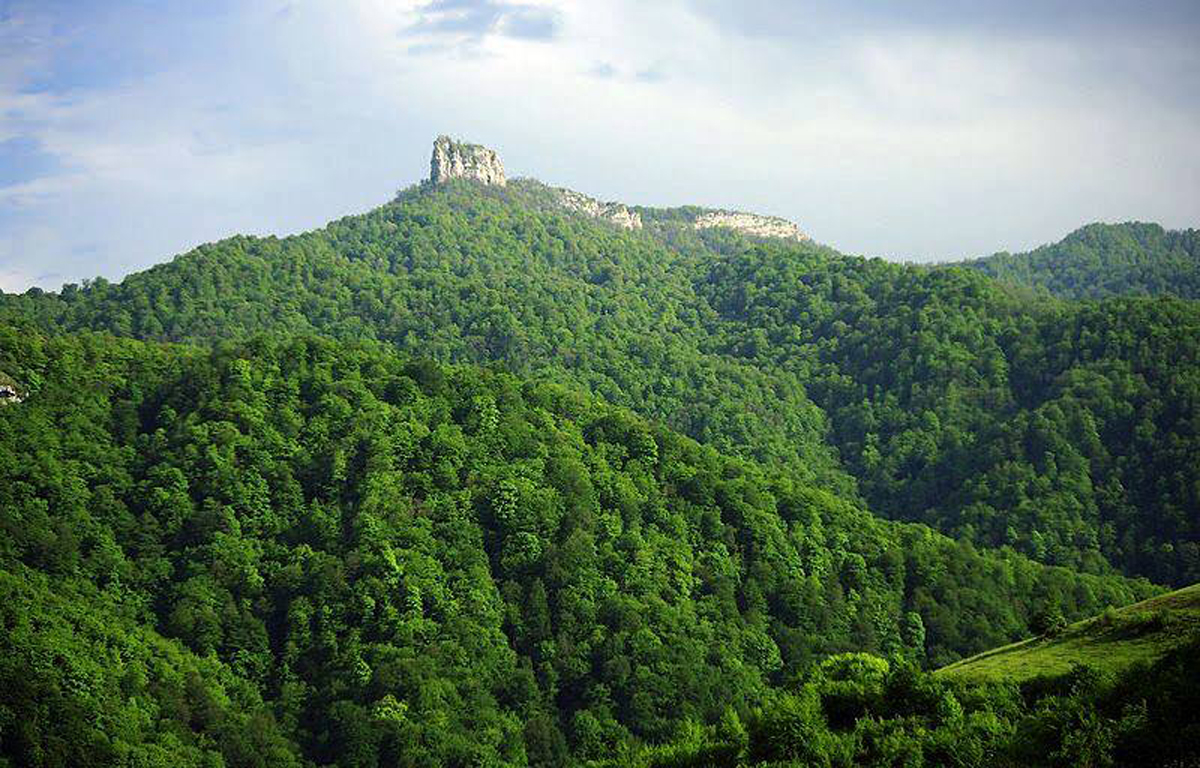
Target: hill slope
[857,709]
[1115,689]
[1139,633]
[437,565]
[84,683]
[1067,431]
[1101,260]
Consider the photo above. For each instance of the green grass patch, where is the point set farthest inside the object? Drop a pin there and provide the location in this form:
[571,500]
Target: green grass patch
[1114,640]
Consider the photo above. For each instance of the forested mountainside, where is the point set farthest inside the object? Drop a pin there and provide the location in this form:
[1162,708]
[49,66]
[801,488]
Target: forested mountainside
[1101,260]
[1118,689]
[1069,431]
[294,550]
[859,710]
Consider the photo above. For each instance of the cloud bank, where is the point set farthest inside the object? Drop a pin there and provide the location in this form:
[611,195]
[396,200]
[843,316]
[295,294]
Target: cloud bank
[130,132]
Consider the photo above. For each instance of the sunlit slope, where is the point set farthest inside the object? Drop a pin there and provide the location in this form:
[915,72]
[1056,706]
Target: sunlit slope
[1104,260]
[1064,430]
[1141,632]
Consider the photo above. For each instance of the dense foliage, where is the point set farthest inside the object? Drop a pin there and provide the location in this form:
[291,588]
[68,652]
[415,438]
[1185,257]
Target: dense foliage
[83,683]
[1102,260]
[296,550]
[1069,431]
[858,711]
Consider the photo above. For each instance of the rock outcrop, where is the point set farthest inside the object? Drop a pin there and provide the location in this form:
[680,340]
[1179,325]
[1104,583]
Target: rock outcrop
[617,213]
[750,224]
[9,394]
[459,160]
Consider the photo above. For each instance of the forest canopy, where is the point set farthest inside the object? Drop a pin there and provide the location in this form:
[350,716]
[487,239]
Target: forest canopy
[1103,260]
[1066,430]
[291,550]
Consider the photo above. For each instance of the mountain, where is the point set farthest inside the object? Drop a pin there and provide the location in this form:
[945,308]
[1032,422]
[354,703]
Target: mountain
[1101,260]
[1065,430]
[1119,639]
[502,474]
[287,551]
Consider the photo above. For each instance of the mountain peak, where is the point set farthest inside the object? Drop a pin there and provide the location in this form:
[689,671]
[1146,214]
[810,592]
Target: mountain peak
[454,159]
[460,160]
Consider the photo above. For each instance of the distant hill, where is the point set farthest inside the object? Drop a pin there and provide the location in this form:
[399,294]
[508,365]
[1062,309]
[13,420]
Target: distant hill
[1065,430]
[1101,260]
[938,396]
[1115,640]
[502,474]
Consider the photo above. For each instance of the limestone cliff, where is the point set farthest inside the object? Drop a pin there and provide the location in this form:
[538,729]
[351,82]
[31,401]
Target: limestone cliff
[617,213]
[459,160]
[750,224]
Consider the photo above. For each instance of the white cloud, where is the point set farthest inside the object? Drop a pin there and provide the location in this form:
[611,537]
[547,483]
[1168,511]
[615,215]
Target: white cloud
[908,144]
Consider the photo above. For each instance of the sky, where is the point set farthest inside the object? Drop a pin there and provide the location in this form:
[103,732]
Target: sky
[134,130]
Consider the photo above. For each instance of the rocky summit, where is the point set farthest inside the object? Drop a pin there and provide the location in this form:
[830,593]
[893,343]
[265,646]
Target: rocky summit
[474,162]
[459,160]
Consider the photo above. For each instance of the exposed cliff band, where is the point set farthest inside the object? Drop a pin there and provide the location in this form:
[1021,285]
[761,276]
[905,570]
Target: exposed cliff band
[616,213]
[750,224]
[473,162]
[459,160]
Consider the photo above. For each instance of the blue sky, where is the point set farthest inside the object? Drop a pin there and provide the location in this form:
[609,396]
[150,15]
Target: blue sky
[133,131]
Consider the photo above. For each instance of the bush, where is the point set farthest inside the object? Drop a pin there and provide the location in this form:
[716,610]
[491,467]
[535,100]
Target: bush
[1048,622]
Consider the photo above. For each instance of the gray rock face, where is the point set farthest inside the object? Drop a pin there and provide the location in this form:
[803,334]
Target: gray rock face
[617,213]
[9,395]
[459,160]
[751,224]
